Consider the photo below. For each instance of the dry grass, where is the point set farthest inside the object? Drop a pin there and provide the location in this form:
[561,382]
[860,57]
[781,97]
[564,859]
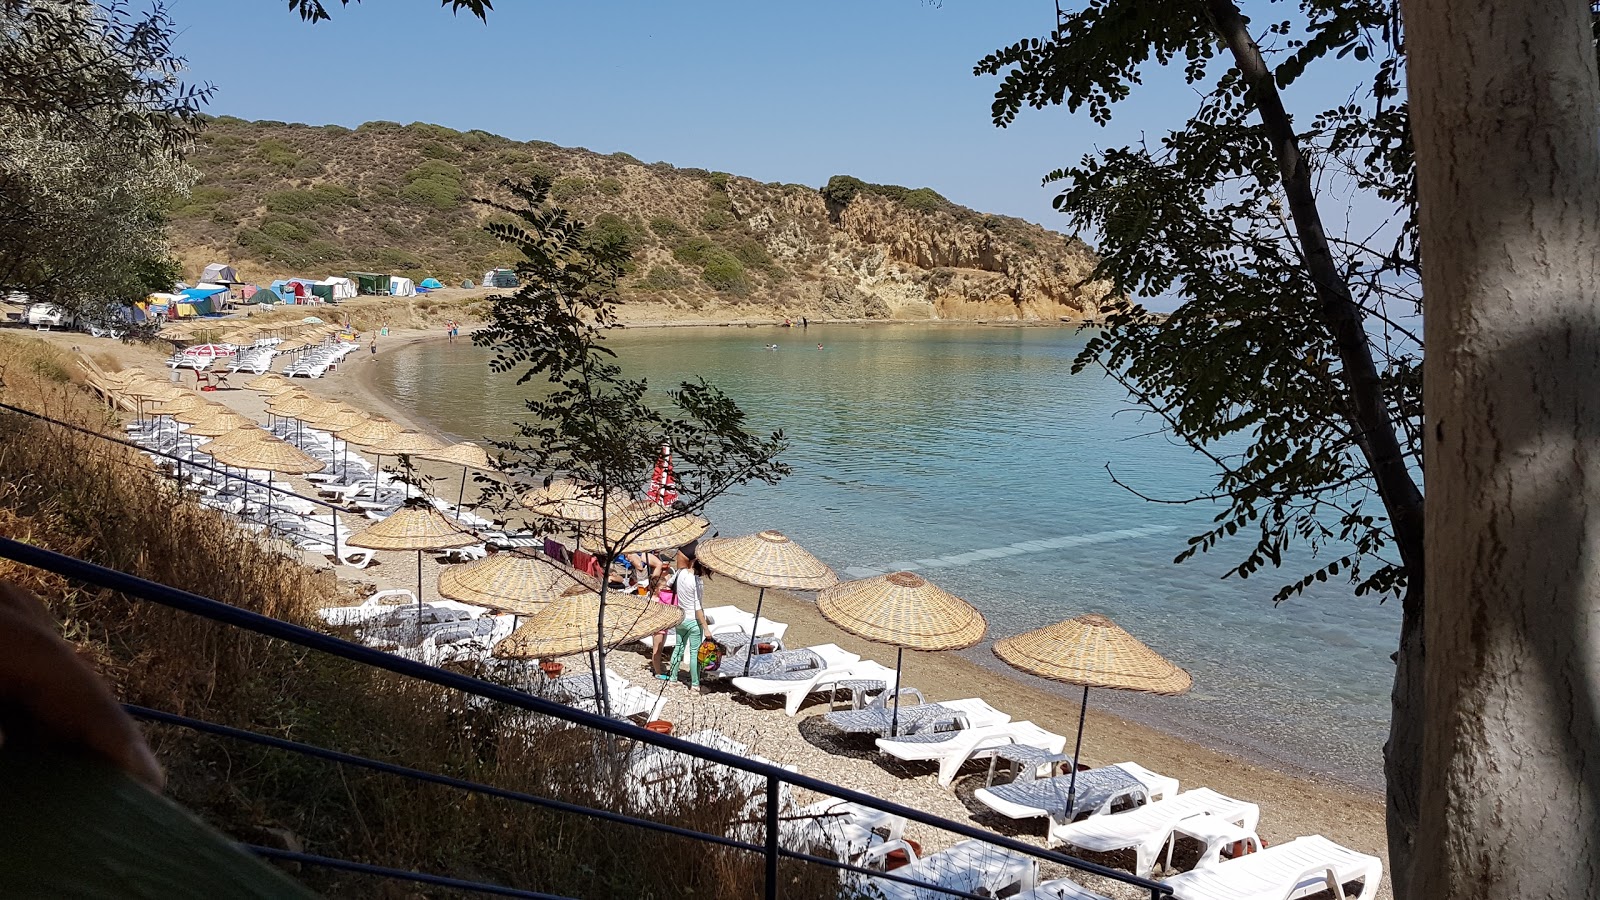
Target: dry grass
[76,495]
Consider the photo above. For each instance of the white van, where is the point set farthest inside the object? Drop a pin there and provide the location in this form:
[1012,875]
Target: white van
[46,315]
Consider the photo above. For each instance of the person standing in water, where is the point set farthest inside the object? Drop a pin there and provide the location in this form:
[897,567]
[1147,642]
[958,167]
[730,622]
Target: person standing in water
[692,629]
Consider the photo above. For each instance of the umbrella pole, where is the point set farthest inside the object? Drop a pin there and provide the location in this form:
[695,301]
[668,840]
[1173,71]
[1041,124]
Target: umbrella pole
[894,724]
[462,495]
[377,476]
[755,627]
[419,596]
[1077,749]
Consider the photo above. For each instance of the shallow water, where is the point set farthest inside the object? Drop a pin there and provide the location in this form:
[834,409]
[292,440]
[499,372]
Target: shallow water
[973,455]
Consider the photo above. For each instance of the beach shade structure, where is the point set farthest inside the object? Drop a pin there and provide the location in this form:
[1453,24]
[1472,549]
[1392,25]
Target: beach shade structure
[198,414]
[403,443]
[467,455]
[631,528]
[1092,651]
[146,389]
[906,610]
[569,500]
[291,405]
[511,583]
[571,624]
[220,422]
[270,383]
[375,430]
[184,402]
[268,454]
[764,560]
[210,351]
[414,526]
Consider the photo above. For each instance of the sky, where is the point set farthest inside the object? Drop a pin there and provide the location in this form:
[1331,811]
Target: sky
[794,92]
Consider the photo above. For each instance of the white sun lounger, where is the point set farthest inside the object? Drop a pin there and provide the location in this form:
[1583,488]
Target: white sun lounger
[848,830]
[726,619]
[1100,787]
[971,866]
[805,670]
[952,749]
[879,718]
[1060,889]
[1146,829]
[1299,868]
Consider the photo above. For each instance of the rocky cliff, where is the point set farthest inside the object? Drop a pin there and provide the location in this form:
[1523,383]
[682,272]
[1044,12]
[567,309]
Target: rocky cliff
[277,199]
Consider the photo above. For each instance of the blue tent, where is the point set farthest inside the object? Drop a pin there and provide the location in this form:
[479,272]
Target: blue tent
[430,283]
[195,294]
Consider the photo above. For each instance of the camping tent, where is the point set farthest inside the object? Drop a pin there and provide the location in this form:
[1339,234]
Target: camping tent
[219,272]
[430,284]
[500,278]
[401,287]
[370,282]
[343,288]
[199,301]
[322,291]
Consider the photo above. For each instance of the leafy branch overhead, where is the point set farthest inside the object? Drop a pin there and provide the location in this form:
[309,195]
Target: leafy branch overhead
[315,11]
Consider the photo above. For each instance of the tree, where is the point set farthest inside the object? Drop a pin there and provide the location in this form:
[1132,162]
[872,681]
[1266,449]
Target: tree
[591,423]
[1288,339]
[316,11]
[1506,106]
[93,125]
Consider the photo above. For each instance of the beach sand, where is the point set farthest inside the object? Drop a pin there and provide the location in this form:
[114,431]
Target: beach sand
[1291,804]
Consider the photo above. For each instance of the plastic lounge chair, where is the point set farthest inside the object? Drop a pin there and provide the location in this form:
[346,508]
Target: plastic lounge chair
[879,719]
[1096,791]
[1060,889]
[971,866]
[1147,828]
[728,619]
[1298,868]
[847,830]
[952,749]
[801,675]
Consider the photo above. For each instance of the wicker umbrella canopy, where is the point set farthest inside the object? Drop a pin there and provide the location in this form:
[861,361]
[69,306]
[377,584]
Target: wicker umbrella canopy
[271,455]
[1093,651]
[207,410]
[623,521]
[341,418]
[291,404]
[151,390]
[219,423]
[267,381]
[568,499]
[375,430]
[184,402]
[319,409]
[767,560]
[404,442]
[465,453]
[414,527]
[241,435]
[510,583]
[903,609]
[570,625]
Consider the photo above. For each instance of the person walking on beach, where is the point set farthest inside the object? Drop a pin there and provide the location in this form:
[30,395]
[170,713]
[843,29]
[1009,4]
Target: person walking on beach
[692,629]
[374,347]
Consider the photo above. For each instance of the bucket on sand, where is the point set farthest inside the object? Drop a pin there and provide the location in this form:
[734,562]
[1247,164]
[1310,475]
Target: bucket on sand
[659,726]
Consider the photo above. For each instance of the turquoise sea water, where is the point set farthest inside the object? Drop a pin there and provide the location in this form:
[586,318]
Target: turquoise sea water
[974,456]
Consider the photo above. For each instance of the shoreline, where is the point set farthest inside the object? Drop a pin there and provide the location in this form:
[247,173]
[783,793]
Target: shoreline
[1113,708]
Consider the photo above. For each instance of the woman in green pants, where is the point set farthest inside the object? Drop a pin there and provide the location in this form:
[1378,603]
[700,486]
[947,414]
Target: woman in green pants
[685,586]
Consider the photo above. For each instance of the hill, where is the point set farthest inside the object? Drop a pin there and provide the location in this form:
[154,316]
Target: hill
[280,199]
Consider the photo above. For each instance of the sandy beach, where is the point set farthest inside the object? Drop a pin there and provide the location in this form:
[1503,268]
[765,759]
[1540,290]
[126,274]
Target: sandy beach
[1291,804]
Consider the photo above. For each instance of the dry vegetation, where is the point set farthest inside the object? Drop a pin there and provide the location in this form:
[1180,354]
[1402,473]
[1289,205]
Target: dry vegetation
[79,496]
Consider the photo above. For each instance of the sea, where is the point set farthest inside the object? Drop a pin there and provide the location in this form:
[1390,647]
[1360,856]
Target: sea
[976,457]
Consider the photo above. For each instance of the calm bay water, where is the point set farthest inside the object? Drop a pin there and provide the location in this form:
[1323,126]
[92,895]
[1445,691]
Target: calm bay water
[974,456]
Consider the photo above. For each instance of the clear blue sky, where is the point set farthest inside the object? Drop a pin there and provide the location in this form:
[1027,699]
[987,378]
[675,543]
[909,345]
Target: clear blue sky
[795,92]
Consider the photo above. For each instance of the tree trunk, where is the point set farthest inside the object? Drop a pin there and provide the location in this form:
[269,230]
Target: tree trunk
[1505,110]
[1402,753]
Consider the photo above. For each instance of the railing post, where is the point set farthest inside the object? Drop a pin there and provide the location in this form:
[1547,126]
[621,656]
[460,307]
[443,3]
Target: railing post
[772,837]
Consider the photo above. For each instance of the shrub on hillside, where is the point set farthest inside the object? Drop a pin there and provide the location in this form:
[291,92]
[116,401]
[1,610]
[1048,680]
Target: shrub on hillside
[663,278]
[723,272]
[667,229]
[434,183]
[202,200]
[570,188]
[611,187]
[277,154]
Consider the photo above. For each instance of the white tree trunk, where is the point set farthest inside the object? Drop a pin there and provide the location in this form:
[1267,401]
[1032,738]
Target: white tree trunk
[1505,112]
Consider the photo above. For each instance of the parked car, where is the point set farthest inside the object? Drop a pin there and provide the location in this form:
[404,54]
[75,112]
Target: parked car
[46,315]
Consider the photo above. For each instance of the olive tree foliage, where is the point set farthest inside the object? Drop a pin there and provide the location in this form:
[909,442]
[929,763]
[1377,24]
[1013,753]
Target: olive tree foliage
[1292,360]
[317,11]
[589,422]
[94,121]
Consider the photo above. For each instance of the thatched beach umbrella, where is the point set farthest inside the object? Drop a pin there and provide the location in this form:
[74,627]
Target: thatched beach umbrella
[418,527]
[570,625]
[511,583]
[148,389]
[403,443]
[184,402]
[1093,651]
[905,610]
[271,455]
[467,455]
[767,559]
[623,524]
[219,422]
[569,500]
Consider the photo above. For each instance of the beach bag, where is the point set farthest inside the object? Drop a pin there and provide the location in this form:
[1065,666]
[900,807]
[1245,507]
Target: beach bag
[710,655]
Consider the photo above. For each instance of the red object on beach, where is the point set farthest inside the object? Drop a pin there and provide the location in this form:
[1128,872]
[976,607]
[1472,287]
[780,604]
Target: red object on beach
[550,668]
[659,726]
[894,859]
[663,488]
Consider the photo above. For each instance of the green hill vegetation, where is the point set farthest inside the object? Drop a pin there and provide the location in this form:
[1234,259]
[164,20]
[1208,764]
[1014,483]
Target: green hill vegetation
[277,199]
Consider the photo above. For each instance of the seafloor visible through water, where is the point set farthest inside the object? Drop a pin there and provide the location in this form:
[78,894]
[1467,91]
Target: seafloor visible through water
[975,456]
